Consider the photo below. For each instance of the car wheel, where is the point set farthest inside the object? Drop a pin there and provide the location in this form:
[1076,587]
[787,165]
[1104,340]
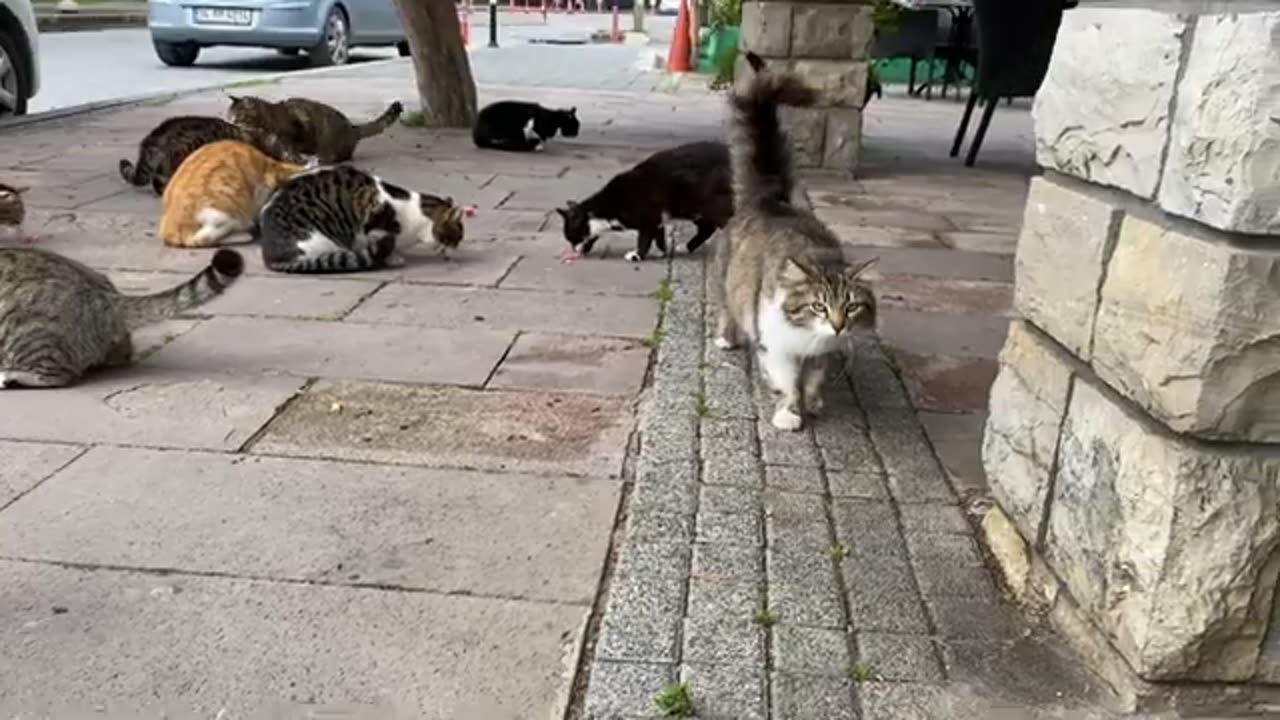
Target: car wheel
[177,54]
[288,52]
[335,41]
[403,48]
[14,82]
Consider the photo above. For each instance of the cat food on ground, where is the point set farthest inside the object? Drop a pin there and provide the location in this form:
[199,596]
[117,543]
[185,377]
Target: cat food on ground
[689,182]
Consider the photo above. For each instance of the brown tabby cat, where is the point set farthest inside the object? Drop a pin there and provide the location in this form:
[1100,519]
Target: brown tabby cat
[13,212]
[217,192]
[309,127]
[788,288]
[59,319]
[162,151]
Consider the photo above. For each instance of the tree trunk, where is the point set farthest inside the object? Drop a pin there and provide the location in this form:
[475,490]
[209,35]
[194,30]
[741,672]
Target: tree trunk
[445,86]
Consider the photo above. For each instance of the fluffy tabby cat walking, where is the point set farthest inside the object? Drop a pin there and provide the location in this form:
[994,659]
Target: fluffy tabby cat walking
[162,151]
[788,288]
[339,219]
[59,319]
[308,127]
[217,192]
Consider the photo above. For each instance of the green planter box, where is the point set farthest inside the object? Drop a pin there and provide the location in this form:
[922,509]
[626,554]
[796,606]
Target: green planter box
[712,43]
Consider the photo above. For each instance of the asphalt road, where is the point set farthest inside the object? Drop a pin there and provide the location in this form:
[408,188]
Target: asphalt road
[85,67]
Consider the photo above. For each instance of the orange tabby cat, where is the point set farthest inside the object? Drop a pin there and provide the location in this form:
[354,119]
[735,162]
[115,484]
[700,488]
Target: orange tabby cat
[217,191]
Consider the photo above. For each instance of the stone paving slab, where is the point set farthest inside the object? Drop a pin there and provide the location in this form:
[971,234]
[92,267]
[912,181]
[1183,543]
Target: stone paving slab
[264,296]
[157,408]
[329,349]
[454,427]
[571,363]
[464,308]
[24,465]
[241,647]
[331,523]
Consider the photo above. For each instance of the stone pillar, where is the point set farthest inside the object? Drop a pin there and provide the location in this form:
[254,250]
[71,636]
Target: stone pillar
[828,42]
[1134,434]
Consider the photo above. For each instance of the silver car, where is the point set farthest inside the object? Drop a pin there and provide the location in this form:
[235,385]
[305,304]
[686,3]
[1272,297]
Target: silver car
[19,56]
[325,29]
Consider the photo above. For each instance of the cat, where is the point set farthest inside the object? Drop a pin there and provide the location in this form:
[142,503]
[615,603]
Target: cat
[309,127]
[521,126]
[162,151]
[217,192]
[13,213]
[339,219]
[59,319]
[690,182]
[787,287]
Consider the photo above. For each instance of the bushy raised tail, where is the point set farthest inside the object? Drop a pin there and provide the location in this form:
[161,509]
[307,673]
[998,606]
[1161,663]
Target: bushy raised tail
[142,310]
[761,156]
[384,121]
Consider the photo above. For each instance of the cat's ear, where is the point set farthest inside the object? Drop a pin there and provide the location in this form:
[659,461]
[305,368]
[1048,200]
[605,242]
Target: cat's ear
[234,98]
[456,213]
[854,272]
[794,272]
[573,111]
[563,212]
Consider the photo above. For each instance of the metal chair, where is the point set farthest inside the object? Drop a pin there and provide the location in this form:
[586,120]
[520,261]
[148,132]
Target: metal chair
[915,37]
[1015,42]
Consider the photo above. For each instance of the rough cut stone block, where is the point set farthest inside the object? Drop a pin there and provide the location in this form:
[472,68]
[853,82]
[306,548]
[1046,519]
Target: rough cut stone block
[840,83]
[1169,546]
[831,31]
[1103,111]
[1188,327]
[1021,439]
[766,28]
[1062,252]
[1224,147]
[844,134]
[806,130]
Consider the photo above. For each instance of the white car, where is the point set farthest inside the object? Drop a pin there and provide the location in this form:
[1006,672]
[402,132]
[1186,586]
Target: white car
[19,56]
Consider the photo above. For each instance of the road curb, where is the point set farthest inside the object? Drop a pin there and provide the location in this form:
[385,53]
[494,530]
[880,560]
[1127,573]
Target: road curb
[165,96]
[83,21]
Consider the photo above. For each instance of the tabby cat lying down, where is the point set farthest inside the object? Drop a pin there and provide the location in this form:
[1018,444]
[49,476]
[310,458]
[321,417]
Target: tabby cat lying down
[59,319]
[340,219]
[217,193]
[308,127]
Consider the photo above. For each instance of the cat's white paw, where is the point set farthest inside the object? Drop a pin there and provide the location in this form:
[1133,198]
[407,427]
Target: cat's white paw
[814,405]
[631,256]
[784,419]
[723,344]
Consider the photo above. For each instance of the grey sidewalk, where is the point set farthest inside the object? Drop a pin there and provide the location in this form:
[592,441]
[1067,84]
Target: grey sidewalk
[471,489]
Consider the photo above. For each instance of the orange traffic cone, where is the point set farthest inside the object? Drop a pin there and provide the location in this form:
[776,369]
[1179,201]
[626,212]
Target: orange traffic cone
[678,57]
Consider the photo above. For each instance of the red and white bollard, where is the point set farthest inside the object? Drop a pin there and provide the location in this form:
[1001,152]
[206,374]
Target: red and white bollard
[464,20]
[615,32]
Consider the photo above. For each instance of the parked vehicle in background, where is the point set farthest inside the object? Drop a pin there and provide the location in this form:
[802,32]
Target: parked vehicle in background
[19,56]
[325,29]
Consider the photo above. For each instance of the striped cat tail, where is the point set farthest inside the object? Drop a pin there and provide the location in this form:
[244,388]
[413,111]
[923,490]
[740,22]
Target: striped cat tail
[142,310]
[761,156]
[384,121]
[334,262]
[132,173]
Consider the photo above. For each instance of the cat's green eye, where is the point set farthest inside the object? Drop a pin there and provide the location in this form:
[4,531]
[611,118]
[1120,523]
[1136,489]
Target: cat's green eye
[818,308]
[853,307]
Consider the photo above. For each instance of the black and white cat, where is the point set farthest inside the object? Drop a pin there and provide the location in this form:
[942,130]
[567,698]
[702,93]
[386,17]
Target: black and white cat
[339,219]
[521,126]
[689,182]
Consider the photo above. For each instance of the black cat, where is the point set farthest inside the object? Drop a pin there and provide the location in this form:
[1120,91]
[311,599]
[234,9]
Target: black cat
[521,126]
[689,182]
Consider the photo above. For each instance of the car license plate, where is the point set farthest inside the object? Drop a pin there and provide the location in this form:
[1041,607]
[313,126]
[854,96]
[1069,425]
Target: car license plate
[224,16]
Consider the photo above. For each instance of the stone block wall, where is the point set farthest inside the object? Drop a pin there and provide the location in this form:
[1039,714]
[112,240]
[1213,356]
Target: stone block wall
[829,44]
[1134,432]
